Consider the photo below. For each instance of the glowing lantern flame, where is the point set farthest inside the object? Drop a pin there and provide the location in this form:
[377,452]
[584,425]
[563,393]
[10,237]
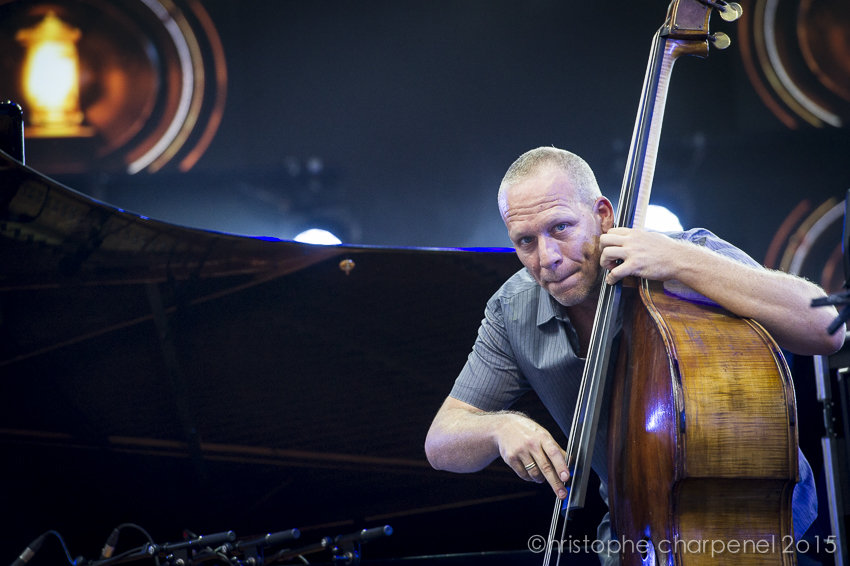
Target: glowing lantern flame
[51,78]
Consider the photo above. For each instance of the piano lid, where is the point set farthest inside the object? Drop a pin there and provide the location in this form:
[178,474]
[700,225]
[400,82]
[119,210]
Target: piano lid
[52,235]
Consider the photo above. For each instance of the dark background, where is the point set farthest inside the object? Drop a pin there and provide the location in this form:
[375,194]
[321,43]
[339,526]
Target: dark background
[415,110]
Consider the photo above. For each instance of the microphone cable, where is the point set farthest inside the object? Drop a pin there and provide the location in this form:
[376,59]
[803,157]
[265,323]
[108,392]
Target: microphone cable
[35,545]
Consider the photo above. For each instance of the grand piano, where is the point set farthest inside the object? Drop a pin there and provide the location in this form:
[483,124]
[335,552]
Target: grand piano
[191,381]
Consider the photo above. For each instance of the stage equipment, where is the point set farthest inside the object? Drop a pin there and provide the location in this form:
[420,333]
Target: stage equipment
[36,545]
[346,548]
[113,85]
[221,547]
[831,374]
[12,130]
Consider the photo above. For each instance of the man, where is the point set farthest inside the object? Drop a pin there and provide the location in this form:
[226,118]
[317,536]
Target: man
[537,327]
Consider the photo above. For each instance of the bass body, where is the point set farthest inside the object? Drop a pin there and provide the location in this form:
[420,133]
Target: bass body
[702,444]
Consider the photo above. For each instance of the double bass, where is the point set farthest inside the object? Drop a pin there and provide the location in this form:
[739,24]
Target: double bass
[702,437]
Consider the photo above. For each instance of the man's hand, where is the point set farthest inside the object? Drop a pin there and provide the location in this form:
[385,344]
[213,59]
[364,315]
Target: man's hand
[522,442]
[649,255]
[464,438]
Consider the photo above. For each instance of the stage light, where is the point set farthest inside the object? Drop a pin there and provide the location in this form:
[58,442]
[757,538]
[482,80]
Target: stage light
[51,78]
[317,236]
[661,219]
[111,85]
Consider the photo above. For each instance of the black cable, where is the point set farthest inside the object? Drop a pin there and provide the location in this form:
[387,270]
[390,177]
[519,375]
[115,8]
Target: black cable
[208,554]
[138,528]
[72,561]
[35,545]
[30,551]
[125,554]
[144,532]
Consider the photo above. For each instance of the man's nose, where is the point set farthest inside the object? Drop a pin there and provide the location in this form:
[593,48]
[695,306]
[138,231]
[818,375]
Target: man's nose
[549,253]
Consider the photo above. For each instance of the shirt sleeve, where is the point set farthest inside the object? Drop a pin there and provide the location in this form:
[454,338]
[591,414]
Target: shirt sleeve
[705,238]
[491,379]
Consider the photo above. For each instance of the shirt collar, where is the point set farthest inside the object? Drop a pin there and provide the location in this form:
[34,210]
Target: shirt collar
[548,308]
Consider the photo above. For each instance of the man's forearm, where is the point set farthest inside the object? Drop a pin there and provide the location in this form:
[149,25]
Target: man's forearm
[461,440]
[464,438]
[778,301]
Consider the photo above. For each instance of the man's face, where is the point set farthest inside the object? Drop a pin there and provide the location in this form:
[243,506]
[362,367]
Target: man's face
[556,236]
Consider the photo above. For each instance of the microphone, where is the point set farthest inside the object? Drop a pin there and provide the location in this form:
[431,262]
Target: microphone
[365,535]
[347,547]
[270,539]
[30,551]
[109,546]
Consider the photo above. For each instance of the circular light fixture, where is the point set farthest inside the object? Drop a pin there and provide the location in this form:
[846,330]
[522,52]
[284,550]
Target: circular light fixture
[797,56]
[317,236]
[808,243]
[661,219]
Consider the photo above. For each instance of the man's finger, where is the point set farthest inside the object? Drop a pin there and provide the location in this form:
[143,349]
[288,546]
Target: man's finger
[611,240]
[558,457]
[612,257]
[533,472]
[549,472]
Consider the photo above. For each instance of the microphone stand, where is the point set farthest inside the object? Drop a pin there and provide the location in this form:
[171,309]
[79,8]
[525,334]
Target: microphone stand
[252,549]
[287,553]
[346,548]
[836,300]
[175,553]
[834,455]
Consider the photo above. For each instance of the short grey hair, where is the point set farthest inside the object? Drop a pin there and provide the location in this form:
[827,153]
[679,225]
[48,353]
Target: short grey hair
[530,162]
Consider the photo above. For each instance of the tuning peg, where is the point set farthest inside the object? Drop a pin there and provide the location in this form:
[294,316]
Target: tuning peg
[730,12]
[720,40]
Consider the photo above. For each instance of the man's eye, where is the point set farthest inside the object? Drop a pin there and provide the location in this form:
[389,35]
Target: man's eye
[525,241]
[561,227]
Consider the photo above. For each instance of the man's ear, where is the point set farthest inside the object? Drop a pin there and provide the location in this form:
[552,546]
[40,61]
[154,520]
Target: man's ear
[604,212]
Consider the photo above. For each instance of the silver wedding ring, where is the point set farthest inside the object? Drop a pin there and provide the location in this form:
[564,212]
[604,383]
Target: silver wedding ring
[529,466]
